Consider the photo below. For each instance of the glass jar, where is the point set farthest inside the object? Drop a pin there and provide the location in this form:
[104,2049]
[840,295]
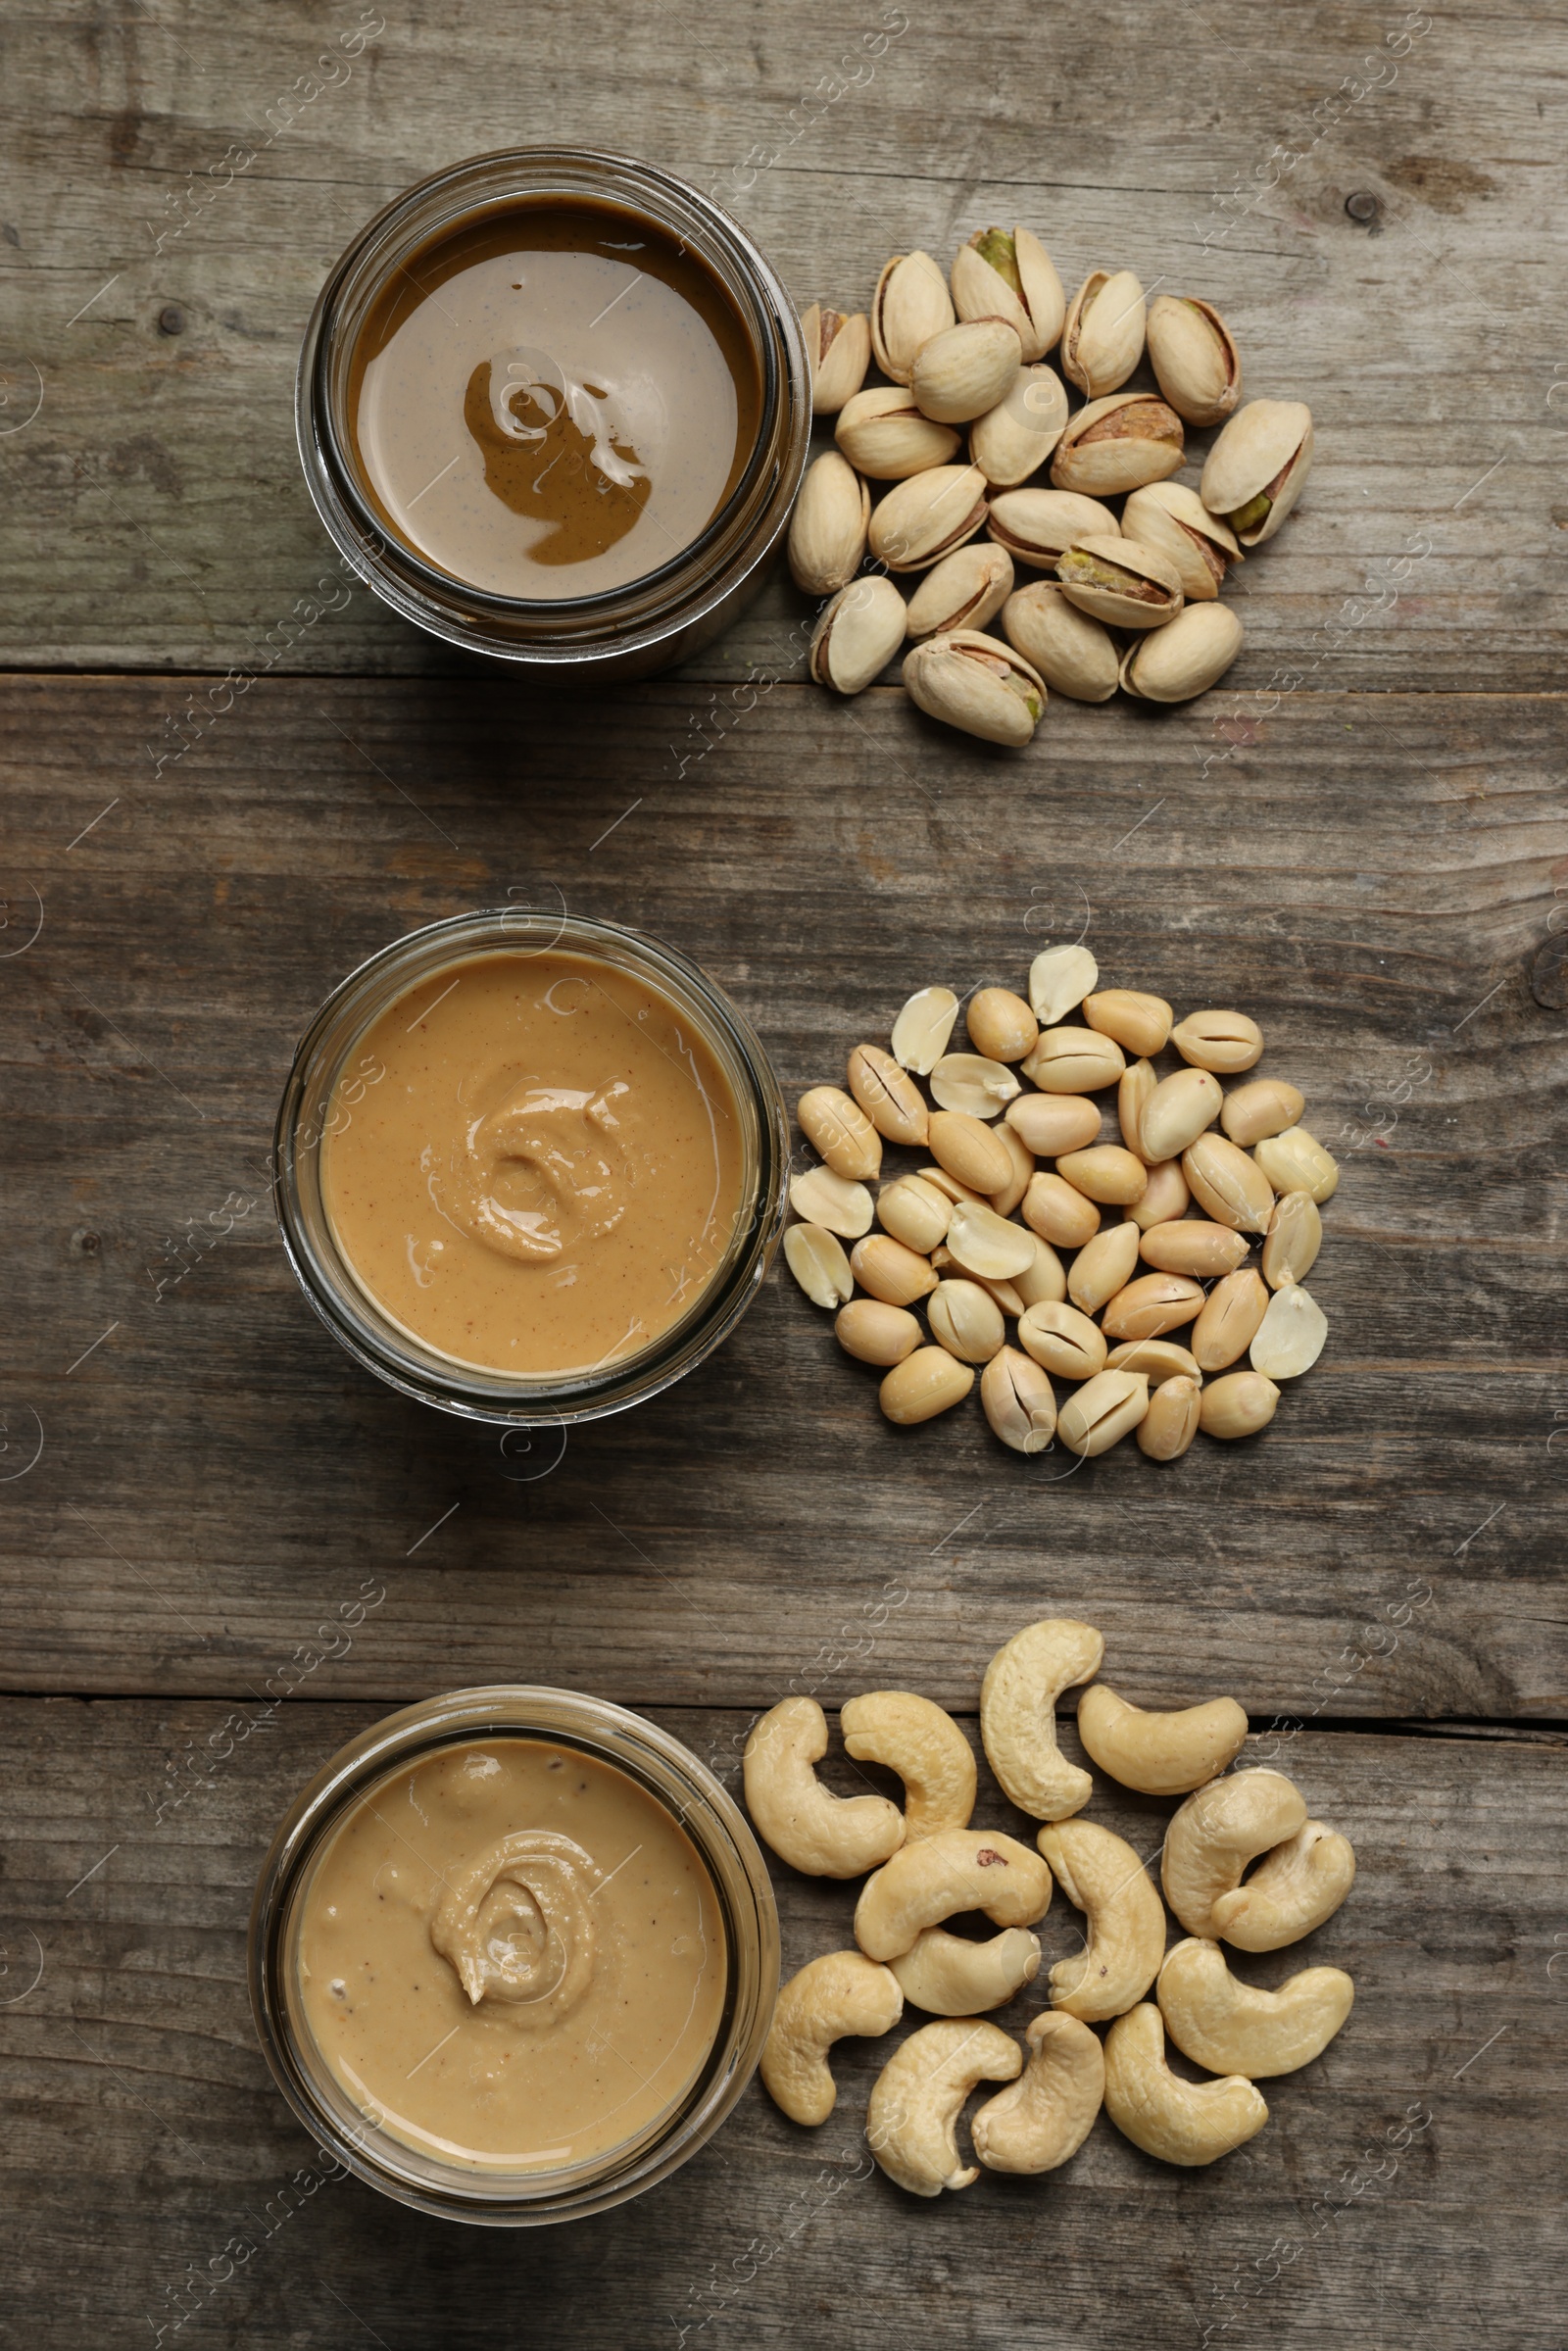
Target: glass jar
[674,1778]
[397,1354]
[628,631]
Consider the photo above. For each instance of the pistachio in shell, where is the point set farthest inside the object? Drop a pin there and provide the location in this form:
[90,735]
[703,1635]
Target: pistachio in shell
[966,370]
[1103,339]
[857,634]
[1009,274]
[1073,653]
[1119,582]
[1035,525]
[883,435]
[965,590]
[838,345]
[911,305]
[1184,659]
[1118,443]
[827,530]
[1194,358]
[1013,440]
[978,684]
[1174,520]
[1252,476]
[923,518]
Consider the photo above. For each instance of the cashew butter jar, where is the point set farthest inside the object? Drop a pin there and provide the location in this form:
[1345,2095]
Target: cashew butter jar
[514,1955]
[553,406]
[529,1167]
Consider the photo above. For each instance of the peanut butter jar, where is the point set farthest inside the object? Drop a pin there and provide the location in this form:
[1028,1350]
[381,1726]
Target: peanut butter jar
[513,1955]
[553,406]
[529,1167]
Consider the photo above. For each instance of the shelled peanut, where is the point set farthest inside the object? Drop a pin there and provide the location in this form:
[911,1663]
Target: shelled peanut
[1128,601]
[1016,1209]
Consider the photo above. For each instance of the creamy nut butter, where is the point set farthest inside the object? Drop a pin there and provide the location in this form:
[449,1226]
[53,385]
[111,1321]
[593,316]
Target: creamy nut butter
[512,1954]
[552,398]
[546,1172]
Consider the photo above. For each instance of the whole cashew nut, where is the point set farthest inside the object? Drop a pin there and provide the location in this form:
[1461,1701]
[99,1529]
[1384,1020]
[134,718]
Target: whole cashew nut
[1050,2111]
[1217,1832]
[1103,1874]
[1292,1889]
[840,1994]
[805,1824]
[912,2121]
[1232,2027]
[947,1975]
[1160,1754]
[1018,1719]
[1180,2122]
[958,1869]
[925,1746]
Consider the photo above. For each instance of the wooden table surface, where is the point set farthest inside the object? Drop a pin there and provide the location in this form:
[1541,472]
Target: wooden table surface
[1360,837]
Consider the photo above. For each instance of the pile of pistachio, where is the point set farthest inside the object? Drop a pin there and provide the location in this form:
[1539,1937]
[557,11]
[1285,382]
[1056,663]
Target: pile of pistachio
[927,1866]
[1010,1170]
[1129,602]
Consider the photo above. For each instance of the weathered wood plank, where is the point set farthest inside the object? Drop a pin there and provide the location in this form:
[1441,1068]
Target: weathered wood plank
[154,515]
[1372,876]
[154,2174]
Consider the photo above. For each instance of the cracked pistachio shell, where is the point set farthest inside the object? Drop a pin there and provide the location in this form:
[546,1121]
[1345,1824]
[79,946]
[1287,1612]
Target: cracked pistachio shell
[978,684]
[924,519]
[1103,1411]
[1059,978]
[883,435]
[891,1101]
[838,344]
[1174,520]
[1289,1338]
[1118,443]
[1016,1398]
[1035,526]
[1117,581]
[1014,439]
[1252,476]
[1173,664]
[965,590]
[857,635]
[827,530]
[816,1257]
[1073,653]
[965,371]
[1012,276]
[1103,336]
[1294,1236]
[911,305]
[1194,358]
[921,1031]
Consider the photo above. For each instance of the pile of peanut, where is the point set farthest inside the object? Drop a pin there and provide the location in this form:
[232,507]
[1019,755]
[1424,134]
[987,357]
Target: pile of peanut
[927,1866]
[1017,1210]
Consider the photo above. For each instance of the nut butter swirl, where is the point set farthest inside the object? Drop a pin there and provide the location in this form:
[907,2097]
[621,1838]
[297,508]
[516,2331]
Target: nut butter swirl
[543,1170]
[517,1927]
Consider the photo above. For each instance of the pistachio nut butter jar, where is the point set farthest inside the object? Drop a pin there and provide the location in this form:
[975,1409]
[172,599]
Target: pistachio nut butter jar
[554,405]
[513,1955]
[529,1167]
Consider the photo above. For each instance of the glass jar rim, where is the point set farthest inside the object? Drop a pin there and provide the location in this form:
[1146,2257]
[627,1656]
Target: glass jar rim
[399,1357]
[670,1773]
[656,616]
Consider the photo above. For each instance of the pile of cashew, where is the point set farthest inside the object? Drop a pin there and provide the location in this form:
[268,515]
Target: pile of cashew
[924,1865]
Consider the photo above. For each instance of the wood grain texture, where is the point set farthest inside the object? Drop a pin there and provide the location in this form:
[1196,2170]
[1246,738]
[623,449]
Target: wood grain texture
[1409,2163]
[205,168]
[1372,882]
